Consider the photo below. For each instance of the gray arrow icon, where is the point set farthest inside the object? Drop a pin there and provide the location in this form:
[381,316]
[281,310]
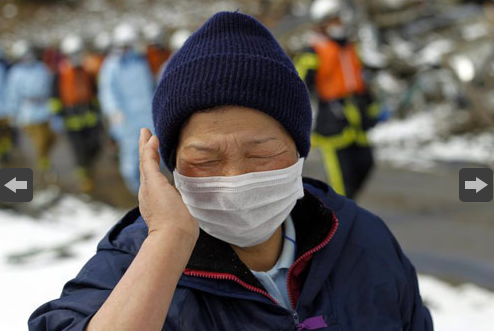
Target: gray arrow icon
[476,185]
[15,185]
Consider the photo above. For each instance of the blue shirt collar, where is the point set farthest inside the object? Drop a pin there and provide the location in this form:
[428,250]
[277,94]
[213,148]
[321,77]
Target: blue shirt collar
[287,256]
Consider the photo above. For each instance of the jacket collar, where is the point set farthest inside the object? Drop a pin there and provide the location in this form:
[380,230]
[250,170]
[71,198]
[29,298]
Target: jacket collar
[312,221]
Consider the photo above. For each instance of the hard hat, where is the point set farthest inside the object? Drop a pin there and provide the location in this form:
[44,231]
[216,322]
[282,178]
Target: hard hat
[124,35]
[102,41]
[20,49]
[322,10]
[152,32]
[71,44]
[178,38]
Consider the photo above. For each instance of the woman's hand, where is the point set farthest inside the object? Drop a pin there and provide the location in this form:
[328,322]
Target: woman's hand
[160,203]
[141,299]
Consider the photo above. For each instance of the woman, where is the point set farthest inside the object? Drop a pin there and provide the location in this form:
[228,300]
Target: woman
[242,243]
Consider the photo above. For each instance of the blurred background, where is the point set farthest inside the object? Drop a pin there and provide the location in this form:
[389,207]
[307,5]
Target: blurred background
[410,103]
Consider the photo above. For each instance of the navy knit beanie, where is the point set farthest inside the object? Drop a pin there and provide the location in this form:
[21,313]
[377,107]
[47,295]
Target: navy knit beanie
[231,60]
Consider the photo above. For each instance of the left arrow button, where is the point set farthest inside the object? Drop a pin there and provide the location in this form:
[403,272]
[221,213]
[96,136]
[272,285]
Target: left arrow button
[15,185]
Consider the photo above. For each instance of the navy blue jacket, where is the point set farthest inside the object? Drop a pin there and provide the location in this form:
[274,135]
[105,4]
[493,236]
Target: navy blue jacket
[349,273]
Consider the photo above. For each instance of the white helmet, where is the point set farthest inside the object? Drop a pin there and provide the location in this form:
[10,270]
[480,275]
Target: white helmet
[71,44]
[178,38]
[20,49]
[124,35]
[152,32]
[322,10]
[102,41]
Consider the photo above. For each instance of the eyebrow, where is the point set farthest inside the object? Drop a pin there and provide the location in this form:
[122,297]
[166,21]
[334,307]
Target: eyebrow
[206,148]
[200,147]
[260,141]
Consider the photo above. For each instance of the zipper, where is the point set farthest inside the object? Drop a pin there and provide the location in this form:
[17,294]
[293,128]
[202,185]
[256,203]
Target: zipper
[226,276]
[306,254]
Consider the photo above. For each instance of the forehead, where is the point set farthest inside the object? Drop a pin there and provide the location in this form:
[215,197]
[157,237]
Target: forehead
[227,120]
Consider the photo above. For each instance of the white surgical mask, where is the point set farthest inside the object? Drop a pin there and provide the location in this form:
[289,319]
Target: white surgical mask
[242,210]
[336,32]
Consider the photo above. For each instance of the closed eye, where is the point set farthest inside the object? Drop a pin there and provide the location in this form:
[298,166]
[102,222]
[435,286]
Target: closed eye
[265,156]
[203,163]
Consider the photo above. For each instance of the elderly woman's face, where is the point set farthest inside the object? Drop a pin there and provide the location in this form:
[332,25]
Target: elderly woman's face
[232,141]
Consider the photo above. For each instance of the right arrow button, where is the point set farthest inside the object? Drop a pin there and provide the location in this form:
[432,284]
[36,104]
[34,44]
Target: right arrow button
[476,185]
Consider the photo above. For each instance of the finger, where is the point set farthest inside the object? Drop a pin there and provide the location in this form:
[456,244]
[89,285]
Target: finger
[143,139]
[150,159]
[144,136]
[155,145]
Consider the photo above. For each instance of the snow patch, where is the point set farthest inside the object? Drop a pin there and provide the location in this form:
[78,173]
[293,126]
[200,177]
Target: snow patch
[464,307]
[424,138]
[25,287]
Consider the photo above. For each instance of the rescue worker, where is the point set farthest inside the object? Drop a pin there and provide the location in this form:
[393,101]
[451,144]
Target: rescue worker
[156,51]
[126,88]
[74,100]
[345,107]
[6,132]
[29,84]
[96,54]
[52,57]
[242,242]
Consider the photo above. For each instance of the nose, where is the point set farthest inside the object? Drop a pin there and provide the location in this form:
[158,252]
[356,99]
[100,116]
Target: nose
[234,169]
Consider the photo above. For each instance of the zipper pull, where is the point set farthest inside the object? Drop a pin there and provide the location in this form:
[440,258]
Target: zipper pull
[312,323]
[295,318]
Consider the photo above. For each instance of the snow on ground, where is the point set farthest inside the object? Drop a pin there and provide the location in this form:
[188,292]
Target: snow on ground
[456,308]
[422,139]
[24,287]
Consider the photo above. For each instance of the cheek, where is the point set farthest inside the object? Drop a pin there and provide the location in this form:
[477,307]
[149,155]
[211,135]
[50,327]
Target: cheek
[284,162]
[215,168]
[276,163]
[189,170]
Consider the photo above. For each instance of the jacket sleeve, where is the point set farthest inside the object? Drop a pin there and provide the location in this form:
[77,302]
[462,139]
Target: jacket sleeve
[83,296]
[11,101]
[307,64]
[106,89]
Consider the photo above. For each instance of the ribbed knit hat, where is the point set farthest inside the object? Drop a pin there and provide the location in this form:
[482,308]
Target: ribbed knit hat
[231,60]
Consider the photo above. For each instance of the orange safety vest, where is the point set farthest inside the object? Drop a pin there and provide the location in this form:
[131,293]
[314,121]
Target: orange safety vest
[156,57]
[339,73]
[74,85]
